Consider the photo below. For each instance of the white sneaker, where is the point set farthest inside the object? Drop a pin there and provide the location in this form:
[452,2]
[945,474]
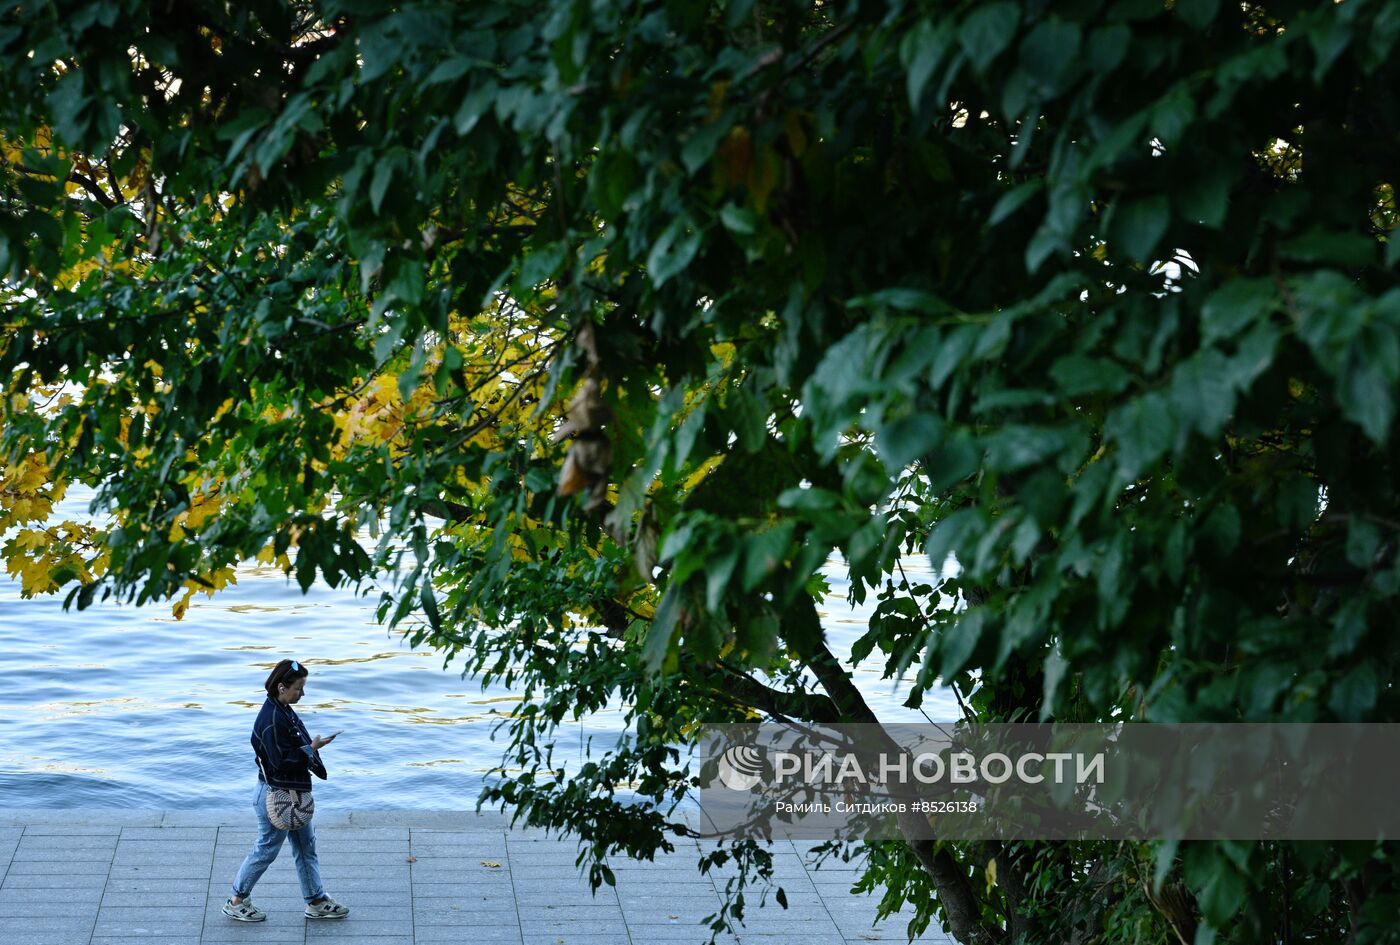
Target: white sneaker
[327,908]
[244,911]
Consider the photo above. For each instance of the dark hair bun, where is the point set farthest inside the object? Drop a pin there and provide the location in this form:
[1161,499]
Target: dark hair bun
[284,673]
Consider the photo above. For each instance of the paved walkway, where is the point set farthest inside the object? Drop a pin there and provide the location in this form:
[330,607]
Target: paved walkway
[160,877]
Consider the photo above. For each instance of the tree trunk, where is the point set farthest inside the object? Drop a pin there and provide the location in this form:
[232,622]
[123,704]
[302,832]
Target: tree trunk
[956,893]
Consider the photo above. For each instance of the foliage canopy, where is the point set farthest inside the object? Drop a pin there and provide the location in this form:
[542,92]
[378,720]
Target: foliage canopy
[620,318]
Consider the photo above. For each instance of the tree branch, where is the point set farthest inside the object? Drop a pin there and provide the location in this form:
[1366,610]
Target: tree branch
[91,186]
[802,629]
[779,703]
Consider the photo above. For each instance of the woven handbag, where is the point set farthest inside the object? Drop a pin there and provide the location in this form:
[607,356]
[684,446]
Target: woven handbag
[289,810]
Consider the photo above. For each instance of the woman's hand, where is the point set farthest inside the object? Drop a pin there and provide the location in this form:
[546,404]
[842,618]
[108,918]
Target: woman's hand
[320,742]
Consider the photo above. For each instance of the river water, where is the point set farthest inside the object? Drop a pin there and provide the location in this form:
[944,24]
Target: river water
[118,706]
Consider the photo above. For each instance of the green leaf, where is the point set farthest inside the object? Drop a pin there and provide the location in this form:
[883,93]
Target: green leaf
[1078,374]
[756,632]
[1047,240]
[1384,32]
[1197,13]
[809,499]
[957,643]
[987,31]
[1017,94]
[379,184]
[1202,397]
[1164,860]
[1023,618]
[407,282]
[1234,306]
[953,462]
[430,607]
[1108,46]
[67,102]
[908,439]
[1349,628]
[1017,446]
[921,50]
[612,181]
[1222,528]
[864,544]
[1173,116]
[1363,543]
[664,626]
[949,534]
[1143,430]
[1367,397]
[1223,895]
[473,106]
[1012,200]
[673,251]
[739,220]
[1355,694]
[1205,198]
[448,70]
[1329,39]
[677,539]
[903,298]
[764,553]
[700,146]
[686,436]
[749,418]
[1331,247]
[305,567]
[1138,226]
[411,376]
[1050,54]
[720,569]
[541,264]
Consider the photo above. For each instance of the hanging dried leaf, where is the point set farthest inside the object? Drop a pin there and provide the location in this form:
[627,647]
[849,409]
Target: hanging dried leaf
[586,412]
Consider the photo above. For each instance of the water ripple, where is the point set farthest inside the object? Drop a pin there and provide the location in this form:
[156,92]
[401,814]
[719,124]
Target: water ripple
[125,707]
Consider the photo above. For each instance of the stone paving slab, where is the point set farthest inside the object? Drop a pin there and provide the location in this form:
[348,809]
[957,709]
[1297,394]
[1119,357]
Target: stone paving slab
[72,877]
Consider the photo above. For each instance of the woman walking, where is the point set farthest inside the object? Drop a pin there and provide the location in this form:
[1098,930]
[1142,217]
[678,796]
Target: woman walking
[287,757]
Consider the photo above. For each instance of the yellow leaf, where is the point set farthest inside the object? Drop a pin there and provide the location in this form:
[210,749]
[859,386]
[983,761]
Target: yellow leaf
[182,605]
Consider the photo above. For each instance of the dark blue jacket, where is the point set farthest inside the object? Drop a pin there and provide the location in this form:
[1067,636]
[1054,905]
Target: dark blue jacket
[283,749]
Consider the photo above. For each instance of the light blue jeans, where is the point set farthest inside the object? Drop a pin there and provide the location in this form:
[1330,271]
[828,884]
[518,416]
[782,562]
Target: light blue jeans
[265,851]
